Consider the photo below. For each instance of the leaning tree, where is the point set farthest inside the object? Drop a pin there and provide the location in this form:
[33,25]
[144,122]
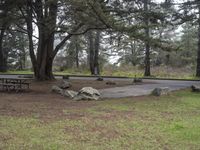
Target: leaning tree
[49,18]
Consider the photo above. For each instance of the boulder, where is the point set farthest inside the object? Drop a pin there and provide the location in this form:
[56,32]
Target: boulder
[195,88]
[64,84]
[111,83]
[160,91]
[69,93]
[56,89]
[87,93]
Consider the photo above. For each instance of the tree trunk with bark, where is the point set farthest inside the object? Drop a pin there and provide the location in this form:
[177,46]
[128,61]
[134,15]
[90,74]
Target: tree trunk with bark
[42,61]
[96,53]
[3,64]
[133,53]
[4,26]
[147,45]
[198,52]
[94,44]
[77,52]
[91,51]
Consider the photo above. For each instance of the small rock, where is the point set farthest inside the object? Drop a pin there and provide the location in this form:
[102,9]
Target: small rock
[160,91]
[70,93]
[100,79]
[87,93]
[64,84]
[111,83]
[66,77]
[195,88]
[137,80]
[57,90]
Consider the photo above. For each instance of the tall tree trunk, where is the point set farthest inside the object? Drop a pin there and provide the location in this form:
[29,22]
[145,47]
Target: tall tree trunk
[77,52]
[29,18]
[24,58]
[3,65]
[147,45]
[91,51]
[45,13]
[198,52]
[133,53]
[42,64]
[5,25]
[96,53]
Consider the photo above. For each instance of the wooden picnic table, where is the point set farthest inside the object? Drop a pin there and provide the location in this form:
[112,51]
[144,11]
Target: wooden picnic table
[13,83]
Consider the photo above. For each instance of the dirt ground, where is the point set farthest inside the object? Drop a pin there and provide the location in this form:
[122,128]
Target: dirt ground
[40,100]
[45,87]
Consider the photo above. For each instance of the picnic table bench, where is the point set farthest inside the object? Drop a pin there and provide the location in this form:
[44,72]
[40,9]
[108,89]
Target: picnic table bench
[14,84]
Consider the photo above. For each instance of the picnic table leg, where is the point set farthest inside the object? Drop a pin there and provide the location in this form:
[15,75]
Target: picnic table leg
[17,88]
[3,84]
[7,88]
[20,84]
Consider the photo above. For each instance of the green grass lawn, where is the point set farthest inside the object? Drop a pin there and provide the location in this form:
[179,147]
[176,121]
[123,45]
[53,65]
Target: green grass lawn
[129,72]
[146,123]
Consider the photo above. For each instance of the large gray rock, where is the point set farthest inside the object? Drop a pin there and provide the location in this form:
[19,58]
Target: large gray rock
[195,88]
[69,93]
[56,89]
[88,93]
[160,91]
[64,84]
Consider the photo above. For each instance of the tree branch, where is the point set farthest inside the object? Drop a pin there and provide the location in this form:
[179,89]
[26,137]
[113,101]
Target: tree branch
[57,48]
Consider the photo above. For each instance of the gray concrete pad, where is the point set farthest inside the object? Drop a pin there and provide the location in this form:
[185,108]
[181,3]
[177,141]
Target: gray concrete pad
[145,89]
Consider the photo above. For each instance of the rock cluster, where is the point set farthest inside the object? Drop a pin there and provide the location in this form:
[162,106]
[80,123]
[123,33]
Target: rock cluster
[86,93]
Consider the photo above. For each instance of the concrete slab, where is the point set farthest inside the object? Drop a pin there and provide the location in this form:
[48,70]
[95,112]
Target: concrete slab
[145,89]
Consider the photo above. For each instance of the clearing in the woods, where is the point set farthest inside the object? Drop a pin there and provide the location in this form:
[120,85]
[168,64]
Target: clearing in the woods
[39,119]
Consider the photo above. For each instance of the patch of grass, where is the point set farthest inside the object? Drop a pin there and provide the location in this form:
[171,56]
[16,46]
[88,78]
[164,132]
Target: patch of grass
[168,122]
[73,71]
[17,72]
[128,71]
